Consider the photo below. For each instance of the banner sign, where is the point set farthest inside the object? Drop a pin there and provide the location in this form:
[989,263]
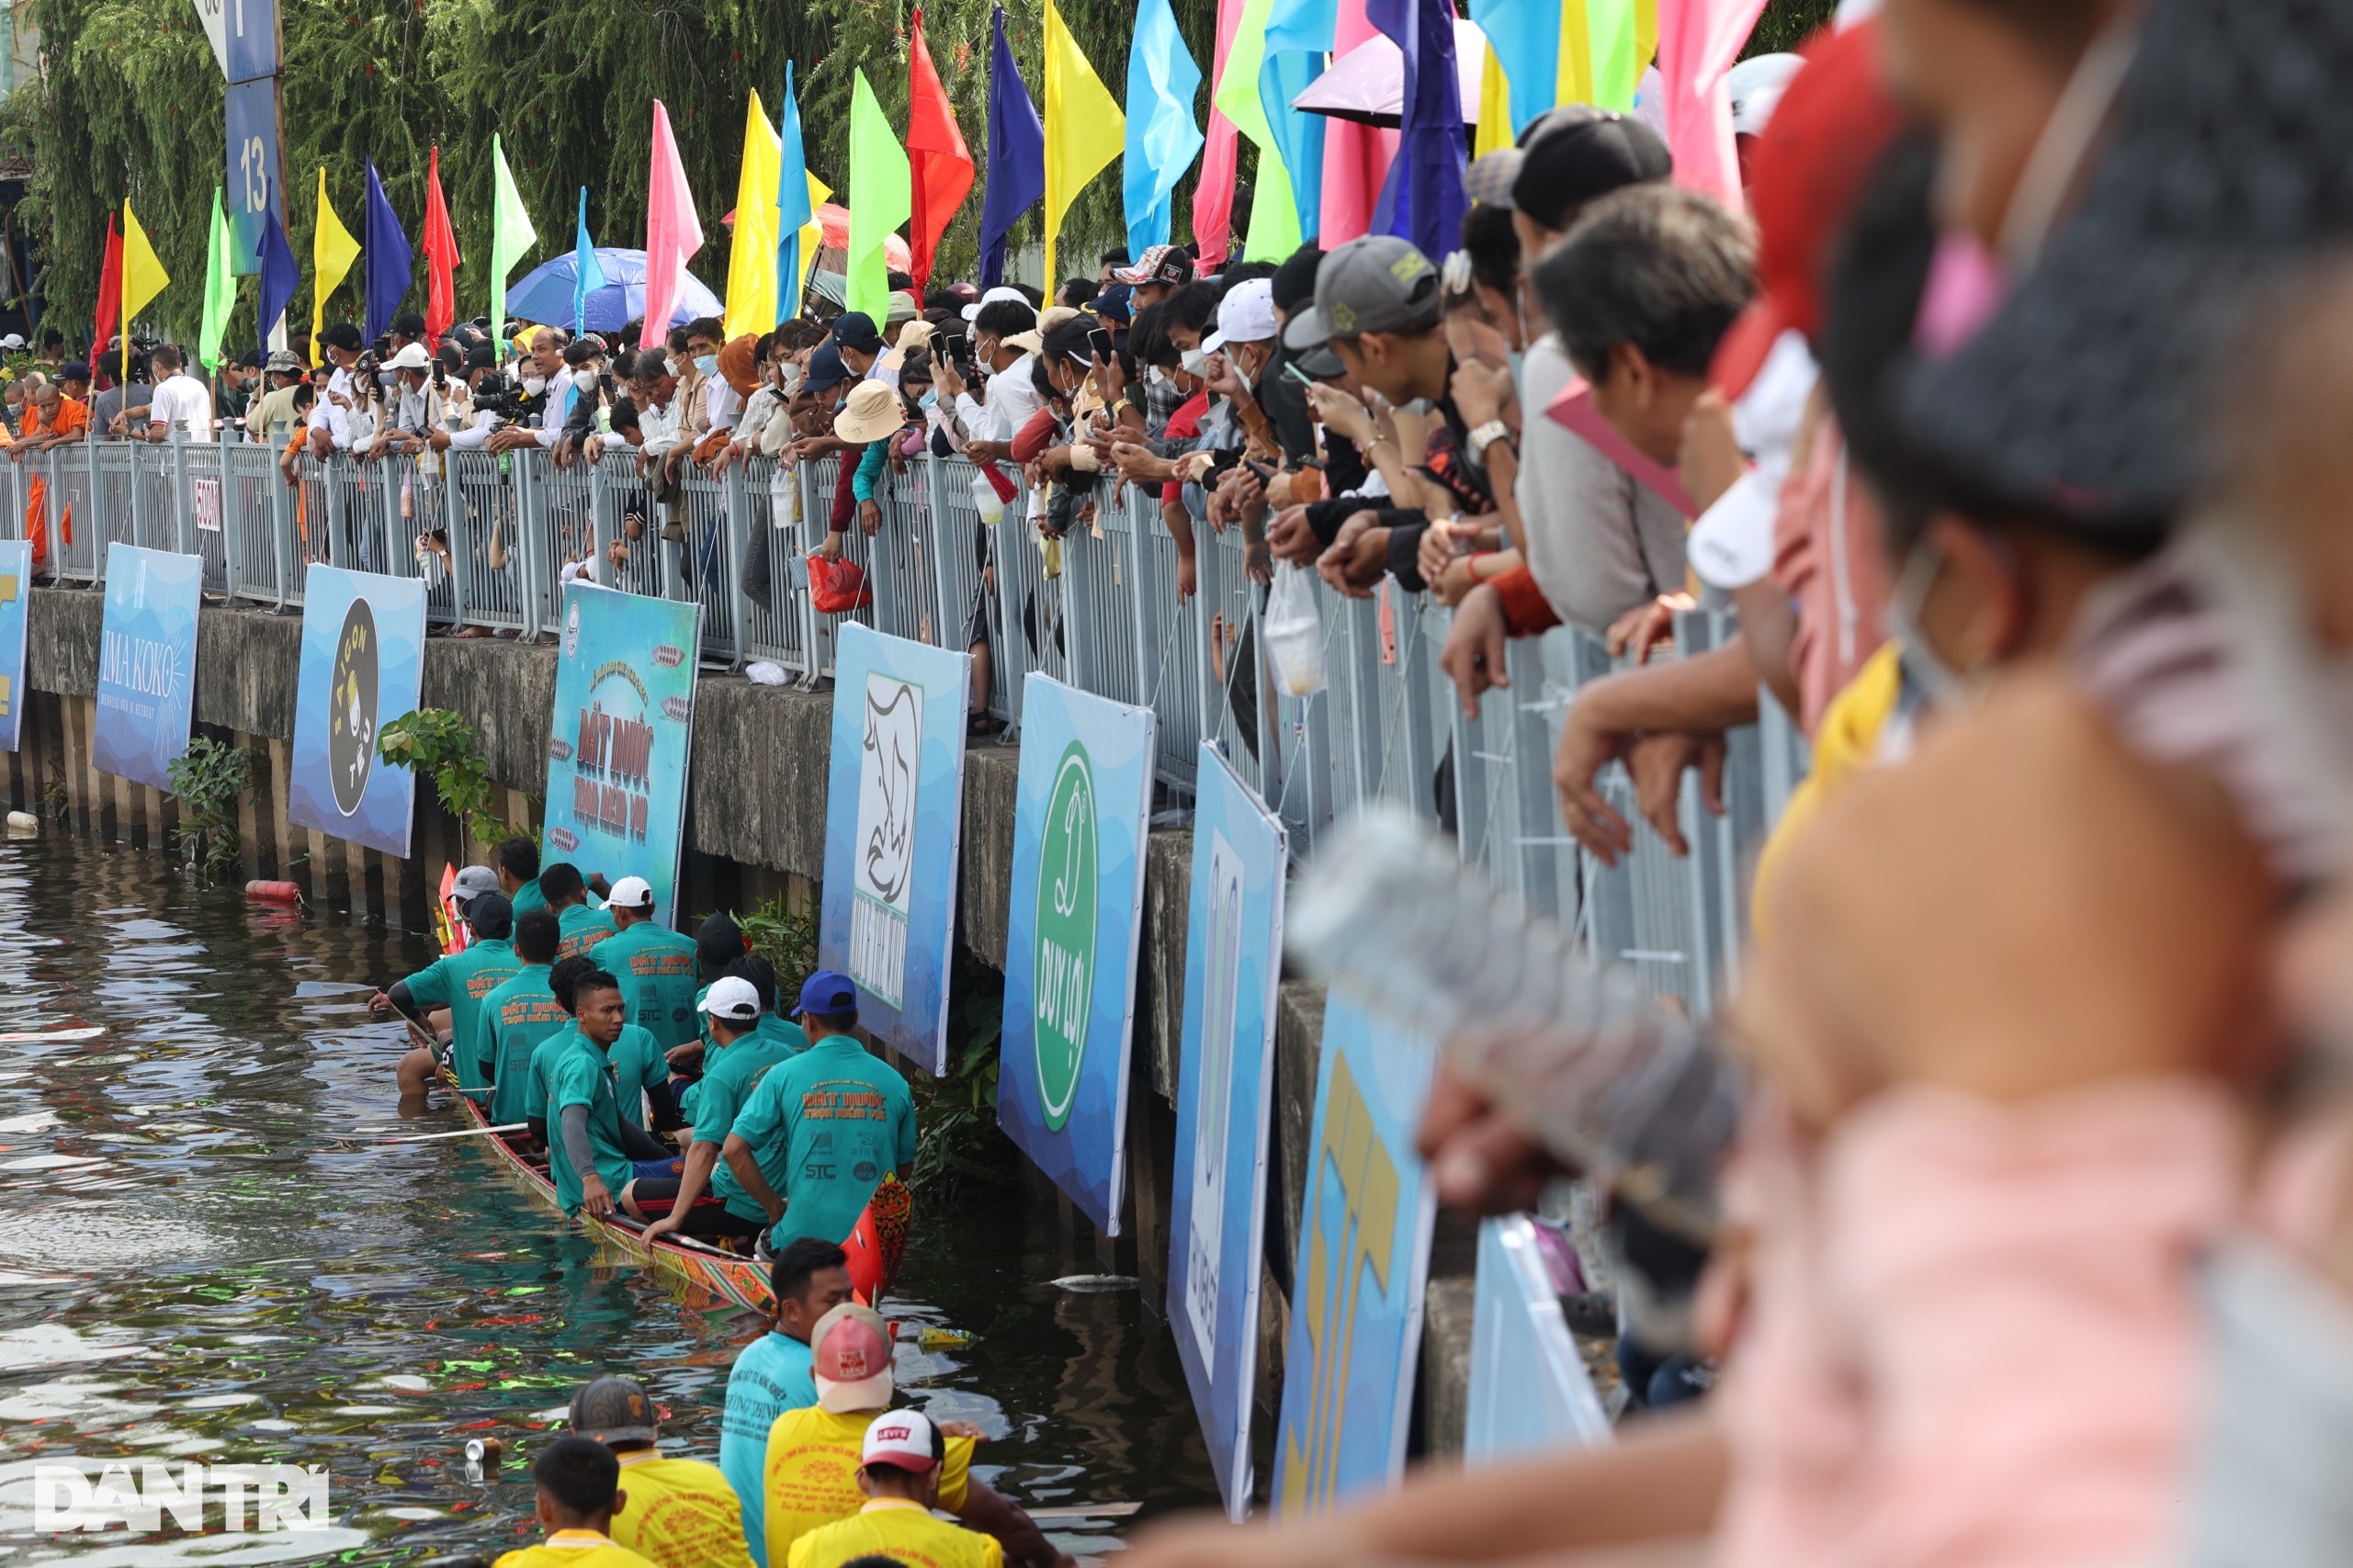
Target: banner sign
[617,744]
[895,807]
[16,591]
[146,662]
[363,665]
[1529,1387]
[1225,1091]
[1079,817]
[1347,1366]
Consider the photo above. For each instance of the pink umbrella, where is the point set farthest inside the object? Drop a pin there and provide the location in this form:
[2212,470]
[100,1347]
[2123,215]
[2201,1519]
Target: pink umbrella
[1367,84]
[836,221]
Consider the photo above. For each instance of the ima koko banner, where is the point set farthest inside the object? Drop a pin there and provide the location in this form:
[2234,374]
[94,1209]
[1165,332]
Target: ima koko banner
[1363,1256]
[895,803]
[617,747]
[16,585]
[1084,794]
[1225,1087]
[146,662]
[363,664]
[1529,1387]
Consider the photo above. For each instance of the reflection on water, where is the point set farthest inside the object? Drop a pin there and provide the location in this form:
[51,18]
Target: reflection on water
[190,1268]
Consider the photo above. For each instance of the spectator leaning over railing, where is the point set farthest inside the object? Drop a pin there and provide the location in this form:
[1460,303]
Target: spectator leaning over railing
[51,419]
[240,384]
[272,416]
[1010,397]
[330,428]
[181,404]
[542,375]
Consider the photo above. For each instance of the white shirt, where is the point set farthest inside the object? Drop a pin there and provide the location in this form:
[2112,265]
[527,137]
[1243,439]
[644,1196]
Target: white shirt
[181,402]
[1012,400]
[560,392]
[723,405]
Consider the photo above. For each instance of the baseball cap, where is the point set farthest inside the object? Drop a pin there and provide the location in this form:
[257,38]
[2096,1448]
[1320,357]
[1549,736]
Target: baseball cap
[719,941]
[75,370]
[1488,179]
[1755,86]
[250,360]
[1001,292]
[411,356]
[343,335]
[827,991]
[472,883]
[856,329]
[849,1353]
[614,1410]
[1161,263]
[482,356]
[732,998]
[1578,154]
[825,368]
[902,307]
[490,914]
[904,1439]
[1375,284]
[1245,315]
[14,340]
[631,893]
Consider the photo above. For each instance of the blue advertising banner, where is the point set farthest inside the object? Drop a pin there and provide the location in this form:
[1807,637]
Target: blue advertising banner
[1225,1090]
[617,744]
[1080,810]
[16,586]
[1347,1366]
[146,662]
[363,664]
[894,803]
[1529,1386]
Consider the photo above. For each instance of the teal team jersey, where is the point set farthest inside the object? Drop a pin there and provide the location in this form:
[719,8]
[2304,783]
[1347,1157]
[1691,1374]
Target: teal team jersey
[515,1018]
[582,929]
[583,1076]
[825,1127]
[656,969]
[639,1064]
[543,1056]
[528,897]
[460,982]
[730,1076]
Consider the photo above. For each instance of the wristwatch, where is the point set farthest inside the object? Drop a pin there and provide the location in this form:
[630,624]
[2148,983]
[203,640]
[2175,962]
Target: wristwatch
[1486,435]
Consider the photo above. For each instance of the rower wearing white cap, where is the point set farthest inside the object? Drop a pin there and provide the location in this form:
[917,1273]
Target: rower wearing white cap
[741,1056]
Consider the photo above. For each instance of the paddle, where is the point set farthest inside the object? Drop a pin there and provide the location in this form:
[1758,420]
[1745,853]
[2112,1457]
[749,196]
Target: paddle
[429,1137]
[18,1039]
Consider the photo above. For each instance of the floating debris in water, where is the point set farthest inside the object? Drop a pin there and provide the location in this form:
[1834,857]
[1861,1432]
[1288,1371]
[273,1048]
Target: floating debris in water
[1087,1284]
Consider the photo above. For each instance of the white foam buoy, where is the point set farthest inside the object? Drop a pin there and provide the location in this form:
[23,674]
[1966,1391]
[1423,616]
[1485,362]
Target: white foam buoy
[25,821]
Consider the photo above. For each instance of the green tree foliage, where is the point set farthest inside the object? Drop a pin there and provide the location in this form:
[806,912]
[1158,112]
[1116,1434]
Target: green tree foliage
[132,104]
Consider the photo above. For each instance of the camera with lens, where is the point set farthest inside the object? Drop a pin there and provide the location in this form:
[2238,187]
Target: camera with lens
[510,403]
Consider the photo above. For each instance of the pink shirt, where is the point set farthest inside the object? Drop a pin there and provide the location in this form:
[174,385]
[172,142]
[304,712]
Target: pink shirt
[1828,555]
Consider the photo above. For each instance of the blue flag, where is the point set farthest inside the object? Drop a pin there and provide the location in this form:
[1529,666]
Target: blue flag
[1016,156]
[1422,198]
[280,276]
[793,210]
[1162,136]
[587,275]
[387,246]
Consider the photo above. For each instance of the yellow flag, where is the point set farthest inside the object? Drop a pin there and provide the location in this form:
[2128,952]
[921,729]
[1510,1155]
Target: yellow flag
[1084,130]
[143,277]
[333,250]
[1646,33]
[813,233]
[1575,82]
[751,255]
[1495,108]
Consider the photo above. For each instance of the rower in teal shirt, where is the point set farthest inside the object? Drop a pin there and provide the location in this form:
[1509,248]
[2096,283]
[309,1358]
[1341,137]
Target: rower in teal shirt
[584,925]
[593,1158]
[520,1014]
[518,874]
[459,982]
[730,1073]
[823,1129]
[654,964]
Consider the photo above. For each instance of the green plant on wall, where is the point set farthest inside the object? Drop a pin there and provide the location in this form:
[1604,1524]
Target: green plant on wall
[207,782]
[787,937]
[956,1137]
[440,744]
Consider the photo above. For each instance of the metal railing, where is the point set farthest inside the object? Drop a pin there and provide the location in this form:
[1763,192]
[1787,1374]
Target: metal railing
[495,537]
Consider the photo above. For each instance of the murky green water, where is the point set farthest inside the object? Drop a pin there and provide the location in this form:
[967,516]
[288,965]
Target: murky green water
[189,1268]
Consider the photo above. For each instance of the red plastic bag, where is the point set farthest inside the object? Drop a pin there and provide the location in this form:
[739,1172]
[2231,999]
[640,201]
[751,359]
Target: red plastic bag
[837,587]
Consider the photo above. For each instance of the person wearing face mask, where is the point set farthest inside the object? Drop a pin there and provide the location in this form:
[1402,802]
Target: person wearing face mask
[331,428]
[415,411]
[1011,395]
[544,376]
[696,366]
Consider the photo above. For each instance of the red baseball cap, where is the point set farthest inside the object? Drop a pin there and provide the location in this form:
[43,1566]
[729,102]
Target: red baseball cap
[850,1358]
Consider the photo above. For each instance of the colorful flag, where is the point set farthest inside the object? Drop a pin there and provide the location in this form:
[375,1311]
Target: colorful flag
[333,250]
[280,273]
[219,287]
[751,257]
[1298,36]
[388,257]
[441,258]
[1495,105]
[1274,213]
[1356,157]
[1162,139]
[798,230]
[1084,128]
[881,195]
[1573,81]
[1525,37]
[1213,194]
[672,233]
[940,164]
[1423,199]
[1016,156]
[143,276]
[1698,42]
[109,289]
[587,272]
[1612,26]
[511,232]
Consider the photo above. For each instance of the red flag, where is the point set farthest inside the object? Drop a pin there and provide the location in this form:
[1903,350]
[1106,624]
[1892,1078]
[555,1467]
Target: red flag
[441,258]
[109,292]
[939,166]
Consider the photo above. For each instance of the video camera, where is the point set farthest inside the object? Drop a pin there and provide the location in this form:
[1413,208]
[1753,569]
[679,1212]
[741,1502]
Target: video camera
[510,403]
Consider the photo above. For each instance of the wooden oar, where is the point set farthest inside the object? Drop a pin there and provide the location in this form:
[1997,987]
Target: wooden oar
[429,1137]
[1086,1511]
[21,1038]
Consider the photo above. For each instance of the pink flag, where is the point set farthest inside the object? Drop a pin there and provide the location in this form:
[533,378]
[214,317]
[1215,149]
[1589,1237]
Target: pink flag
[672,233]
[1356,157]
[1213,195]
[1698,42]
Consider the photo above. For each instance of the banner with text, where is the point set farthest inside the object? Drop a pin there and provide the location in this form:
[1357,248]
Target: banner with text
[146,662]
[1225,1088]
[1356,1334]
[1529,1389]
[362,664]
[617,745]
[1081,810]
[895,802]
[16,586]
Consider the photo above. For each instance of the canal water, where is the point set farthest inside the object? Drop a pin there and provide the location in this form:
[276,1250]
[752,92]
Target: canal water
[192,1268]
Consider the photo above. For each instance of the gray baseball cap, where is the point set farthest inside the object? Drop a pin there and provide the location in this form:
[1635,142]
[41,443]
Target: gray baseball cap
[1376,284]
[472,883]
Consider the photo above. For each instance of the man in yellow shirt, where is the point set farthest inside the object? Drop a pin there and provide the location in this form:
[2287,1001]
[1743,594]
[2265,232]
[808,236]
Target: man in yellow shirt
[579,1491]
[815,1454]
[903,1454]
[682,1512]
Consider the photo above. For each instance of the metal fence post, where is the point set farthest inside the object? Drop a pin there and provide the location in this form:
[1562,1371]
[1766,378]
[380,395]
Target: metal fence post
[736,508]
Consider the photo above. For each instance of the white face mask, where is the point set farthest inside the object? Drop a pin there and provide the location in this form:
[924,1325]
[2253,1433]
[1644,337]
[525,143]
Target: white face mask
[792,379]
[584,379]
[1195,363]
[533,385]
[1155,376]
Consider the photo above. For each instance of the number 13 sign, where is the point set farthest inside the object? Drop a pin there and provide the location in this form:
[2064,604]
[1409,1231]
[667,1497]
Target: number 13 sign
[253,182]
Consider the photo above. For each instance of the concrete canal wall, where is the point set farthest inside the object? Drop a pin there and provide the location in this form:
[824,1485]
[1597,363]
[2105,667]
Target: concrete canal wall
[755,830]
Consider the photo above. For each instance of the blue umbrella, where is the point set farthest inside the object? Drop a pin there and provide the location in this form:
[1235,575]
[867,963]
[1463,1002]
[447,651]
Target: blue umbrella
[546,293]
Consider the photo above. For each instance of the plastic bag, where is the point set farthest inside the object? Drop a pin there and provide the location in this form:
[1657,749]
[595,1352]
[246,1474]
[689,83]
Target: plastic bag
[1295,631]
[984,496]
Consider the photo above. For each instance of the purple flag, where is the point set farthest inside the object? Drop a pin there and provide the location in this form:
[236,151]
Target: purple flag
[386,247]
[1422,198]
[280,275]
[1016,156]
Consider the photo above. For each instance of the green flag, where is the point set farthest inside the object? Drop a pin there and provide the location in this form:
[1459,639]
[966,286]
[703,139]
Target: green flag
[511,235]
[220,289]
[882,195]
